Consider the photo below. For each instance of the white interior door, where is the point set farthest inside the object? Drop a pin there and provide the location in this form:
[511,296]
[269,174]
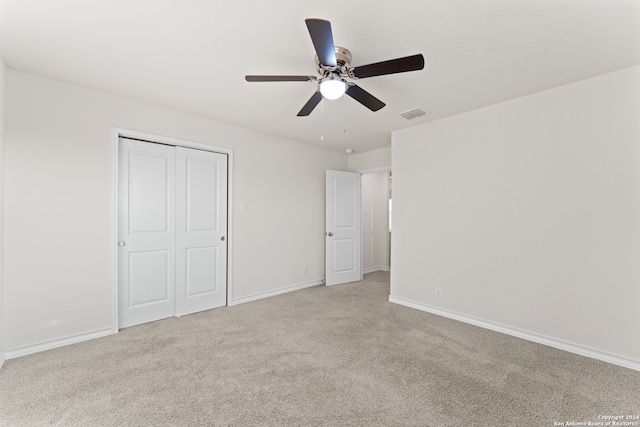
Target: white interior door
[146,235]
[201,218]
[343,260]
[172,229]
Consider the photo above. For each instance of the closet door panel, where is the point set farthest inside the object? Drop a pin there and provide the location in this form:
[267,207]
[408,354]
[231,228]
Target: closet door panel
[201,230]
[146,235]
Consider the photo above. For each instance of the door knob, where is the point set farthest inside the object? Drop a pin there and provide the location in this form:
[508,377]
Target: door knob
[222,238]
[329,234]
[121,243]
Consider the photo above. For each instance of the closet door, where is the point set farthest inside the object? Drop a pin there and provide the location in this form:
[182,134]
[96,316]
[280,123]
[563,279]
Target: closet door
[146,232]
[201,230]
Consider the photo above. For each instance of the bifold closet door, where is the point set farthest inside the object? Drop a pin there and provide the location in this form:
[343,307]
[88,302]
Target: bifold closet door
[146,235]
[172,220]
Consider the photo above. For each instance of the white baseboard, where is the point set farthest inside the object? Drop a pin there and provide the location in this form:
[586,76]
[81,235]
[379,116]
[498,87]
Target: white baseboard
[373,269]
[2,359]
[36,348]
[551,342]
[276,292]
[48,345]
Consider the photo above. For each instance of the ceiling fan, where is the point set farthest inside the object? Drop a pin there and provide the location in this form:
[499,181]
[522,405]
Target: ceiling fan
[333,63]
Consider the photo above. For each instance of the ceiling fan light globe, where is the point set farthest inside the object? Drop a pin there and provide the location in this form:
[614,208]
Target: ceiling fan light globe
[333,88]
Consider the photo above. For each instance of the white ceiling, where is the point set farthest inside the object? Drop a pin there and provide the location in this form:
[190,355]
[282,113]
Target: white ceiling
[192,55]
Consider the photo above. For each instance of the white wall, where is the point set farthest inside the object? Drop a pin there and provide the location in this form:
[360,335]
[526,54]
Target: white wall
[2,323]
[375,220]
[374,159]
[59,218]
[527,214]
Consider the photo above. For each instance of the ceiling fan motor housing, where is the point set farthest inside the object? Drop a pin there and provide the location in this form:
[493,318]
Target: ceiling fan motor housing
[343,59]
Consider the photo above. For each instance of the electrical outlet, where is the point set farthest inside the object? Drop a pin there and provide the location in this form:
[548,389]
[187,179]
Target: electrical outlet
[305,271]
[438,292]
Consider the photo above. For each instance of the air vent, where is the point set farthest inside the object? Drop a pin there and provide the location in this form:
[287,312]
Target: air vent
[416,112]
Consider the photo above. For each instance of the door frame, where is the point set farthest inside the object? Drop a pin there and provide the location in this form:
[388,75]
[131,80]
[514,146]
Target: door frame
[116,133]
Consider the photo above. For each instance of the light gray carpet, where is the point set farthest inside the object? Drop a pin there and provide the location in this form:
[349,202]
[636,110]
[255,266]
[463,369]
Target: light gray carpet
[322,356]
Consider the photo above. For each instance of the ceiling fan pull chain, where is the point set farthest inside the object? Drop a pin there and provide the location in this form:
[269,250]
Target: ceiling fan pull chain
[322,120]
[344,113]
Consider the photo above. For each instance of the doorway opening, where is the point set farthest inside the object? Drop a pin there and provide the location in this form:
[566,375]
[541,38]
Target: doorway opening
[376,220]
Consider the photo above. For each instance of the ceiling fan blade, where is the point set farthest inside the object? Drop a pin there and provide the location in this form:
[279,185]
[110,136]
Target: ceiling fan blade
[311,104]
[392,66]
[364,97]
[322,38]
[279,78]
